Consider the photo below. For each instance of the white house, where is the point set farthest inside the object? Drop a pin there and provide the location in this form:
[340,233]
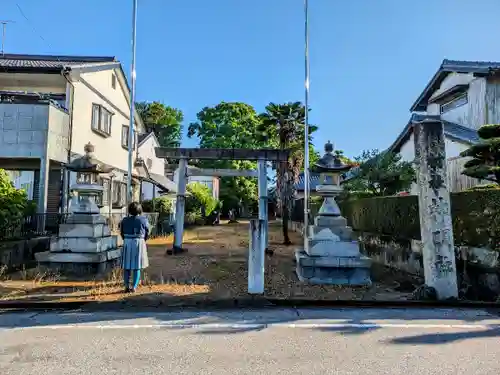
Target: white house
[159,184]
[464,95]
[50,107]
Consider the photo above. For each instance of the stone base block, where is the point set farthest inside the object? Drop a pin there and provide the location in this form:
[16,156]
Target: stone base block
[84,245]
[345,233]
[333,270]
[70,257]
[325,248]
[84,230]
[85,219]
[330,221]
[79,263]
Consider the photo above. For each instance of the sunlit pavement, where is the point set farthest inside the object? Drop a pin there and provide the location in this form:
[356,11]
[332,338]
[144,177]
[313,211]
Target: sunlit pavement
[290,341]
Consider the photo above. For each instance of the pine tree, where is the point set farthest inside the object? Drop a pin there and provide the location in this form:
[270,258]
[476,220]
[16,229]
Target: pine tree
[485,162]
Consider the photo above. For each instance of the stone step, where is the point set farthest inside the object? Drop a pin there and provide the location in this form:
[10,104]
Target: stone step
[333,270]
[84,245]
[330,221]
[85,219]
[84,230]
[345,233]
[306,260]
[65,257]
[334,276]
[328,248]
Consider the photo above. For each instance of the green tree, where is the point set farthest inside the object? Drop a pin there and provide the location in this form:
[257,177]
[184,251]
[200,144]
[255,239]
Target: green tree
[229,125]
[200,198]
[14,206]
[380,174]
[165,121]
[282,126]
[485,162]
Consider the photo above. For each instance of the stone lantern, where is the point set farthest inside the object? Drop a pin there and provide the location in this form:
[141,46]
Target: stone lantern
[330,167]
[87,189]
[85,244]
[331,257]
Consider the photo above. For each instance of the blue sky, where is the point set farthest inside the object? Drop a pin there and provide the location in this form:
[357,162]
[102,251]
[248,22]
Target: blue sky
[369,59]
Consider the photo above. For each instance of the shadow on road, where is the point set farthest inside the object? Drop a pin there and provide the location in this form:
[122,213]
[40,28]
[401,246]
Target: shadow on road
[347,321]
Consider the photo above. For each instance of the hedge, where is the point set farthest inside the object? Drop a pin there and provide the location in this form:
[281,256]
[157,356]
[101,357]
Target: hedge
[475,216]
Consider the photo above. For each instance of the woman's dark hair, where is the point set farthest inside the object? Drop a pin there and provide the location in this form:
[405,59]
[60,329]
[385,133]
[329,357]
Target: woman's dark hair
[135,209]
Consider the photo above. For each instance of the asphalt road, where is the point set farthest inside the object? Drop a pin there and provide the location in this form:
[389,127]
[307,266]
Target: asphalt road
[341,341]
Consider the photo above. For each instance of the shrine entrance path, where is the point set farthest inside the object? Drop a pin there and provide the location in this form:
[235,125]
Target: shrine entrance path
[215,267]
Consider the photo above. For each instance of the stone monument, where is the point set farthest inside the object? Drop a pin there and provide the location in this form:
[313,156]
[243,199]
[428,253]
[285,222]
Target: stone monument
[85,243]
[331,257]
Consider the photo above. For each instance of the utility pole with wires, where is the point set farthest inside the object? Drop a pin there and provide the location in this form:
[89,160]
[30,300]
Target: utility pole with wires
[132,108]
[4,27]
[306,123]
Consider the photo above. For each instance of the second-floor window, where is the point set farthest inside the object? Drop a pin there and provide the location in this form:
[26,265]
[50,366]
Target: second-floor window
[454,103]
[125,129]
[101,119]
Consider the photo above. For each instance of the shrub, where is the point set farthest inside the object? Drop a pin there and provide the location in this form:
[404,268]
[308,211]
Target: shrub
[475,217]
[14,206]
[162,205]
[200,197]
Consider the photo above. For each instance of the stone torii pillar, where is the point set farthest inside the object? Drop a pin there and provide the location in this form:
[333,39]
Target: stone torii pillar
[180,206]
[438,248]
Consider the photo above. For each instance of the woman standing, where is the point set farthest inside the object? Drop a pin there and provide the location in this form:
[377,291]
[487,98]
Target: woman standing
[134,231]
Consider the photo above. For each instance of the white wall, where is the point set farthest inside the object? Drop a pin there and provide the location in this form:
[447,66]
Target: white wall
[154,165]
[147,152]
[43,83]
[107,149]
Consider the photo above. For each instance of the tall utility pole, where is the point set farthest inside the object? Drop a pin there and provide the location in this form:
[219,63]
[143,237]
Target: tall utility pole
[306,124]
[4,26]
[132,109]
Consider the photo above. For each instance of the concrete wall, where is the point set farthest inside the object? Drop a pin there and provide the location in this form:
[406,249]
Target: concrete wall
[24,130]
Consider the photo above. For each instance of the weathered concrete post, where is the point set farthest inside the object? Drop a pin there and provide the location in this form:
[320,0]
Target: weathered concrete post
[262,187]
[434,204]
[256,250]
[43,188]
[179,208]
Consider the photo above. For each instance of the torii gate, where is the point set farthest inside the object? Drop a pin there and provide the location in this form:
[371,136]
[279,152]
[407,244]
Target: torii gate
[256,263]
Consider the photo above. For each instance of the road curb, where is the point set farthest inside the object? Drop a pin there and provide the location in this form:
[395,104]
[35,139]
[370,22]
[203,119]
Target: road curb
[240,303]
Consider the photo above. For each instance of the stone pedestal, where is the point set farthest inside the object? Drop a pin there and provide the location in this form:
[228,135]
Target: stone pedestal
[84,245]
[331,257]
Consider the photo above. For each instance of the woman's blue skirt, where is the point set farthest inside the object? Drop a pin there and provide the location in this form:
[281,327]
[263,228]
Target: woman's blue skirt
[134,254]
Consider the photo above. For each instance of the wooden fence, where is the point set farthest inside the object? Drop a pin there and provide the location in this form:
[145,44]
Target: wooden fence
[457,181]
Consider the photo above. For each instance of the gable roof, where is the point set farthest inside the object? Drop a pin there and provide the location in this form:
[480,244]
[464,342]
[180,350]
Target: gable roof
[17,63]
[58,64]
[143,138]
[456,132]
[452,66]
